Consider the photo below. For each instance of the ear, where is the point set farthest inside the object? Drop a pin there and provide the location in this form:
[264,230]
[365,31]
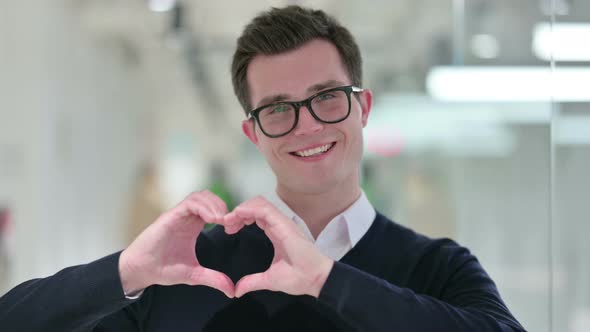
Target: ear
[250,131]
[366,101]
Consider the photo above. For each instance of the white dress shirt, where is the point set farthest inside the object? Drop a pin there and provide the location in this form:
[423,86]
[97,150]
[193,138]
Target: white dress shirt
[342,233]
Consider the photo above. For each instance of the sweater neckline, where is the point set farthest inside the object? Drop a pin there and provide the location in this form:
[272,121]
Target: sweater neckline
[354,255]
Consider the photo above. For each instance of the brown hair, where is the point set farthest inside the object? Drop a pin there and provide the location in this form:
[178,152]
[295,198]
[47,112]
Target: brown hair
[282,29]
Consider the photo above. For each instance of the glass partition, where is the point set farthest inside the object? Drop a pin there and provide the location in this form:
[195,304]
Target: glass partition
[566,46]
[466,153]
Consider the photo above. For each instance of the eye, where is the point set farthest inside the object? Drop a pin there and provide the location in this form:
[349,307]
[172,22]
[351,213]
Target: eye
[280,108]
[325,96]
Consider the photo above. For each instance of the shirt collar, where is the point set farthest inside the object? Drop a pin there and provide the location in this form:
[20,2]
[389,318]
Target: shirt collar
[274,198]
[358,217]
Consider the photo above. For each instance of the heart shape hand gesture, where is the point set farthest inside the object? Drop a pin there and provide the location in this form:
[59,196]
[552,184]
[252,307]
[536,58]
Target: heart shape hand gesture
[164,253]
[297,268]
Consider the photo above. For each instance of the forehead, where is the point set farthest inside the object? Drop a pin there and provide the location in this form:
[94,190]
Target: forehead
[291,73]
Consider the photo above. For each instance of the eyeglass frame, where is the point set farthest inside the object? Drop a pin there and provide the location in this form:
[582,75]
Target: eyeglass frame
[348,89]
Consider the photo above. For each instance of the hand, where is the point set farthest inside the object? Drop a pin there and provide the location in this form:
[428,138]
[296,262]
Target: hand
[164,253]
[297,268]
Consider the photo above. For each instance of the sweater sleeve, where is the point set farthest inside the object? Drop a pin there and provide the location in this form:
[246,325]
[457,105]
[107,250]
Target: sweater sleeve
[74,299]
[468,300]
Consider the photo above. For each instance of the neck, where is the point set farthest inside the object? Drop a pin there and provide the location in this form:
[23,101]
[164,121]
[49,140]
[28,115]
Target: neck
[317,209]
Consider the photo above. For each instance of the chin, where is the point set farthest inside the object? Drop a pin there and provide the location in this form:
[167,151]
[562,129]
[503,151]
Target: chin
[311,185]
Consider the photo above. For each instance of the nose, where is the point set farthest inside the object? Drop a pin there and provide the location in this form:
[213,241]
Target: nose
[307,124]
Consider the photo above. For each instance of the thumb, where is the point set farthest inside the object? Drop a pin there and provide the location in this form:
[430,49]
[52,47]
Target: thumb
[252,282]
[215,279]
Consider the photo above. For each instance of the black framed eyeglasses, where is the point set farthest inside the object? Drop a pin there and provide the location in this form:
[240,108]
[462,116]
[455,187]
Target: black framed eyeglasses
[327,106]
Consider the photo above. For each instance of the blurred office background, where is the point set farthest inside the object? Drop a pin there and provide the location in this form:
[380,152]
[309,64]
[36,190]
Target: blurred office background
[113,111]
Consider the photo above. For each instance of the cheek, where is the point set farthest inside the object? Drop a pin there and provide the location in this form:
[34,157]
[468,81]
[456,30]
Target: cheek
[270,151]
[356,141]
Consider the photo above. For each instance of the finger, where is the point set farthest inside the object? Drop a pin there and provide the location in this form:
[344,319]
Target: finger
[209,203]
[243,215]
[250,203]
[252,282]
[259,208]
[215,279]
[200,209]
[206,204]
[234,219]
[275,225]
[235,224]
[178,211]
[280,229]
[233,229]
[185,210]
[218,204]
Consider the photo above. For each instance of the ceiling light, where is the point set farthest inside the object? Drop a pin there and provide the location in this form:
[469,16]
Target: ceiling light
[562,42]
[509,84]
[161,5]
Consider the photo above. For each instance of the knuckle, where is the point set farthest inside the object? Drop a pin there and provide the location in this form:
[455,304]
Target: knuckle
[178,211]
[190,204]
[266,210]
[190,198]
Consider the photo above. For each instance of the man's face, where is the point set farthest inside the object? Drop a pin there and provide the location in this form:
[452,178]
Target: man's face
[296,75]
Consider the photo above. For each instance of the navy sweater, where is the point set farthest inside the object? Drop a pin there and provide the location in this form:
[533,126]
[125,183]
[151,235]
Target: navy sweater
[392,280]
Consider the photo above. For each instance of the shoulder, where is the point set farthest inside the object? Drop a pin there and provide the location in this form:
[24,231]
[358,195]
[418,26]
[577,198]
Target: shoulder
[403,238]
[418,255]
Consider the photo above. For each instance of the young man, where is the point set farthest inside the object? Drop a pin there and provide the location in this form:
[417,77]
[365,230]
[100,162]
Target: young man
[297,73]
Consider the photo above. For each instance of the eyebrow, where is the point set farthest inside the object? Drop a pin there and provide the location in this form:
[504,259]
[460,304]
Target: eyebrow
[312,89]
[324,85]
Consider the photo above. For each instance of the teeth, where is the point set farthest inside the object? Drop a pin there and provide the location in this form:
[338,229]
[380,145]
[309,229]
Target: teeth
[314,151]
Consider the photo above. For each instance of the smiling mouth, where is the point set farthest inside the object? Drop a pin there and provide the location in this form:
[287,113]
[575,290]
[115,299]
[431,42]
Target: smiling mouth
[314,151]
